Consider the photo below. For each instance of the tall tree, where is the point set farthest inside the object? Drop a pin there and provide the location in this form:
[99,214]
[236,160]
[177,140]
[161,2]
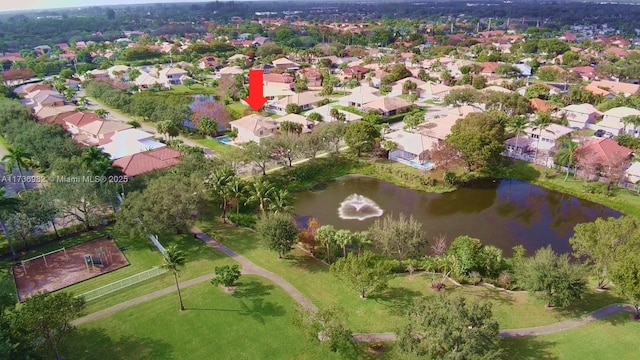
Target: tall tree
[565,156]
[517,125]
[479,138]
[343,239]
[259,192]
[258,154]
[398,238]
[558,281]
[8,206]
[219,182]
[208,126]
[600,242]
[173,259]
[450,328]
[18,158]
[360,136]
[44,319]
[279,232]
[363,272]
[625,273]
[280,201]
[326,236]
[238,192]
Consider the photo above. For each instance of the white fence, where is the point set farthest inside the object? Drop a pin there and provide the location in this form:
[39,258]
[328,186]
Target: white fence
[121,284]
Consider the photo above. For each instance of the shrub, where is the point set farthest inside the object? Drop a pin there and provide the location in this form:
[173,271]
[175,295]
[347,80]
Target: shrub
[438,285]
[226,275]
[475,278]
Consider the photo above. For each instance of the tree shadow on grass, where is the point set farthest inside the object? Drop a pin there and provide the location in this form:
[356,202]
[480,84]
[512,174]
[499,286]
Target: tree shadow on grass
[592,300]
[251,295]
[306,262]
[91,344]
[527,348]
[484,294]
[397,299]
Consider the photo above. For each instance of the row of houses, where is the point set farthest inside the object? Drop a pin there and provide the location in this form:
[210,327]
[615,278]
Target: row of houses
[132,150]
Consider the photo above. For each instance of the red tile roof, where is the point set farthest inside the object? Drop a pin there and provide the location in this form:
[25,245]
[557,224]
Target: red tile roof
[605,149]
[81,118]
[278,78]
[36,87]
[144,162]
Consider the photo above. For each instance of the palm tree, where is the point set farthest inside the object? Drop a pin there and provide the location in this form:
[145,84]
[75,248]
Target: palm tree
[7,207]
[344,238]
[172,259]
[566,155]
[83,101]
[17,158]
[219,182]
[260,190]
[280,201]
[92,157]
[632,119]
[517,125]
[238,191]
[361,238]
[542,121]
[334,113]
[102,113]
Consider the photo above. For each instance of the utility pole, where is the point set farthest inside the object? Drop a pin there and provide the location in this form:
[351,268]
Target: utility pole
[478,27]
[489,24]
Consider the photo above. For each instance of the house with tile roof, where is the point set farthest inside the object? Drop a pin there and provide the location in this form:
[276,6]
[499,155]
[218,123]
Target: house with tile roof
[307,125]
[359,96]
[285,64]
[75,121]
[53,115]
[579,115]
[546,139]
[388,106]
[282,80]
[45,98]
[540,105]
[307,100]
[603,151]
[633,173]
[172,76]
[147,161]
[254,127]
[612,121]
[412,148]
[433,91]
[96,131]
[355,72]
[207,62]
[313,76]
[617,87]
[128,142]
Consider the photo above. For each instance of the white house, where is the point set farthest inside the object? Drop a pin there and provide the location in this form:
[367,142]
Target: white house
[633,173]
[254,128]
[411,148]
[359,96]
[172,76]
[579,115]
[612,121]
[128,142]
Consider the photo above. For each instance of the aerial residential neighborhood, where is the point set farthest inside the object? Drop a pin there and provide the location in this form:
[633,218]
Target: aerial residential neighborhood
[311,180]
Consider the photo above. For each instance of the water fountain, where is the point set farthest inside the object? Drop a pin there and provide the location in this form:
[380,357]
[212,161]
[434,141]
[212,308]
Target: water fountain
[358,207]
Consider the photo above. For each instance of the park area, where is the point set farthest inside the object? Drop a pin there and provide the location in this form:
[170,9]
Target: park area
[63,267]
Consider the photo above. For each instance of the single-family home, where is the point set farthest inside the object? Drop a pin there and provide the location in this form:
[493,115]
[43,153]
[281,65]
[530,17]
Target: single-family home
[128,142]
[579,115]
[355,72]
[230,71]
[540,105]
[524,69]
[285,64]
[438,129]
[75,121]
[617,87]
[325,112]
[489,68]
[306,100]
[398,87]
[172,76]
[96,74]
[282,80]
[53,115]
[412,148]
[238,57]
[359,96]
[603,151]
[587,73]
[307,125]
[633,173]
[545,138]
[313,76]
[599,91]
[388,106]
[145,81]
[612,121]
[433,91]
[46,98]
[207,62]
[119,72]
[143,162]
[35,87]
[93,132]
[254,128]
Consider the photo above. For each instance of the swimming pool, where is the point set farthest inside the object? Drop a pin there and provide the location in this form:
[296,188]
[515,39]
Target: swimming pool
[225,140]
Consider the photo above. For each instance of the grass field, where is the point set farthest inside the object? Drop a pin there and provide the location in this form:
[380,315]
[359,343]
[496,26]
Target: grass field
[614,338]
[214,145]
[385,312]
[191,90]
[255,322]
[236,109]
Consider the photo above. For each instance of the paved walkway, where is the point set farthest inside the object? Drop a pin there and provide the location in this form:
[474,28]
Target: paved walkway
[249,267]
[567,324]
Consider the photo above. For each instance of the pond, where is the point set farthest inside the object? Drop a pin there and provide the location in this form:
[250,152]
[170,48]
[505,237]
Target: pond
[503,213]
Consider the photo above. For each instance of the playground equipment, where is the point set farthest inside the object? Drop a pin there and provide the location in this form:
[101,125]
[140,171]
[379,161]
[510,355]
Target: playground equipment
[102,258]
[43,256]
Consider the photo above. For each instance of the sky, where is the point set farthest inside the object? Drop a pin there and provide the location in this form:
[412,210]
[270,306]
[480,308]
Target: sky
[52,4]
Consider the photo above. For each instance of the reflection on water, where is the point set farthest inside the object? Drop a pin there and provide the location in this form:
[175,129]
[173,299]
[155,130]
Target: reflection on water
[504,213]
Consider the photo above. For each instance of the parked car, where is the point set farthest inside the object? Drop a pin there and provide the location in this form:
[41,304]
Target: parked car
[609,135]
[599,133]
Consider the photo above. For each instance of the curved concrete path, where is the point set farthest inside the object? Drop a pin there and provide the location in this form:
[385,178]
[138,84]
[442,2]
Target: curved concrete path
[249,267]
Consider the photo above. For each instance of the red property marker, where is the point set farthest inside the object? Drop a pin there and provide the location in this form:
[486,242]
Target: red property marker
[256,98]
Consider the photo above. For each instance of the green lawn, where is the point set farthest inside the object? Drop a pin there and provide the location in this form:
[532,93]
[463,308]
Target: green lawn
[191,90]
[255,322]
[612,338]
[214,145]
[237,109]
[385,312]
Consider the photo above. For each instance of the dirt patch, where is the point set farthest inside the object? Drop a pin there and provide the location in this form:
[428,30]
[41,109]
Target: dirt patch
[59,270]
